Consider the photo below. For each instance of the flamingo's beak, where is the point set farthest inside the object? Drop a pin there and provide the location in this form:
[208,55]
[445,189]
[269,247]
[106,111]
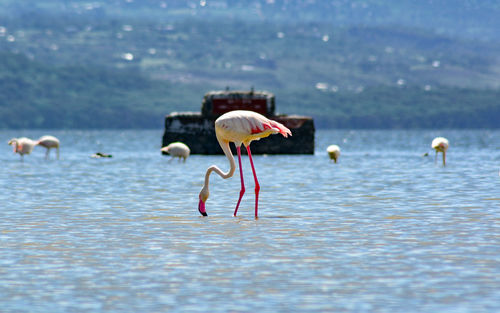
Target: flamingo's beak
[201,208]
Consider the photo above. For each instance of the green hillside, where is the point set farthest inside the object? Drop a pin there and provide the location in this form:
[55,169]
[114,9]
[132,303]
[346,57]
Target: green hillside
[33,95]
[36,96]
[102,64]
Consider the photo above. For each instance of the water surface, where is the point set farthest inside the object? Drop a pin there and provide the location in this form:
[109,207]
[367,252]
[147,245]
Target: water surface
[384,230]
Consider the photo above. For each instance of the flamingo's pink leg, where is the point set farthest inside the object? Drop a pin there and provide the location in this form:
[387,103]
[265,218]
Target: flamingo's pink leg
[242,191]
[257,186]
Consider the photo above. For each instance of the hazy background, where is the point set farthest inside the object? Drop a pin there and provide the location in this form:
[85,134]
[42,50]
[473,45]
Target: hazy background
[349,64]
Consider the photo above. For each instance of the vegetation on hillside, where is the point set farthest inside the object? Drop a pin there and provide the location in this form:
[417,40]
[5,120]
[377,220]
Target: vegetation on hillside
[406,107]
[473,19]
[102,64]
[36,96]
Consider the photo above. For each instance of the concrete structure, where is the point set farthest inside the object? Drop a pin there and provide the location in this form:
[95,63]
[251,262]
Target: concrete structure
[197,129]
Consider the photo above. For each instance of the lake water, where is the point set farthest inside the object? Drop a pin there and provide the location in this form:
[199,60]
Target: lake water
[384,230]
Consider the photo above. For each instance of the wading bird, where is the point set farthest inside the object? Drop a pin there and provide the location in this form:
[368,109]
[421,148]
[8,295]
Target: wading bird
[22,145]
[177,150]
[49,142]
[440,144]
[333,152]
[239,127]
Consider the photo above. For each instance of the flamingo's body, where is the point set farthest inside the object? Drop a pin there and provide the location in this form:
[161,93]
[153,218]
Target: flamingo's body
[440,144]
[177,149]
[49,142]
[22,145]
[333,152]
[239,127]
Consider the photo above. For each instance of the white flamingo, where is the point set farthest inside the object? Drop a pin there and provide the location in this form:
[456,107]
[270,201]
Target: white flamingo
[239,127]
[440,144]
[333,152]
[177,150]
[22,146]
[49,142]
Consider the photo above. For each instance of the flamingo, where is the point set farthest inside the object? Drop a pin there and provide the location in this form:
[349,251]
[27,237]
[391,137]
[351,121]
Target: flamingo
[22,146]
[440,144]
[49,142]
[177,150]
[239,127]
[333,152]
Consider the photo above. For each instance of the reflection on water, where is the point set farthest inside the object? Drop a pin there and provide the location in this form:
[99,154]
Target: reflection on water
[383,230]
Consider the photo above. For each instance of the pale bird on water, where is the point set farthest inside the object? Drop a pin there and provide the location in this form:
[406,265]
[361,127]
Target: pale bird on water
[177,150]
[239,127]
[333,152]
[49,142]
[440,144]
[22,145]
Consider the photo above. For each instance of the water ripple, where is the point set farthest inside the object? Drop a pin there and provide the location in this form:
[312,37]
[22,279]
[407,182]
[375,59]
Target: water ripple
[383,230]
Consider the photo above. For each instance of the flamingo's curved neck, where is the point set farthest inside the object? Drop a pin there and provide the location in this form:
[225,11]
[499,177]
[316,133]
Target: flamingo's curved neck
[232,165]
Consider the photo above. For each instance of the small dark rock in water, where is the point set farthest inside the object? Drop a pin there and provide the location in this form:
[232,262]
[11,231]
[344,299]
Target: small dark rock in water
[99,155]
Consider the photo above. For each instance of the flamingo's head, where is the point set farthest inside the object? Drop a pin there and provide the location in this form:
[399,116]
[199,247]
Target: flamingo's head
[13,142]
[203,198]
[164,150]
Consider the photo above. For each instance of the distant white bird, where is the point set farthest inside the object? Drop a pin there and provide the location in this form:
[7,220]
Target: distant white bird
[333,152]
[22,145]
[440,144]
[49,142]
[177,150]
